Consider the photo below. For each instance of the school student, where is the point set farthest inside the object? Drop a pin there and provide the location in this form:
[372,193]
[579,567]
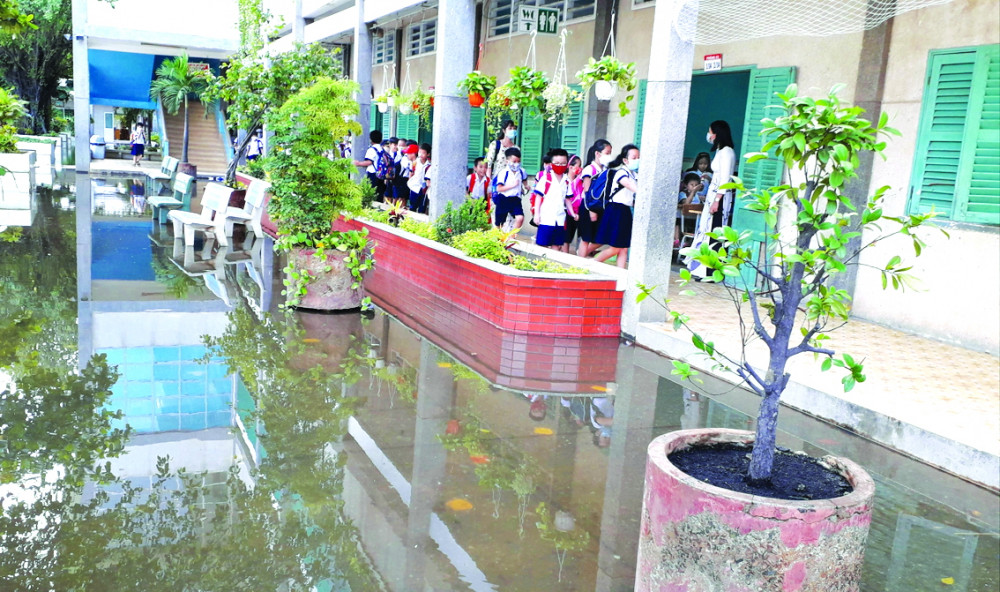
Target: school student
[256,146]
[477,184]
[375,163]
[616,225]
[511,183]
[553,197]
[718,203]
[573,211]
[419,177]
[496,156]
[598,157]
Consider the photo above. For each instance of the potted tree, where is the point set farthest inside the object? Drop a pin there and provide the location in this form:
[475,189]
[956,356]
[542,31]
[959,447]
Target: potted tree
[174,85]
[608,75]
[770,529]
[310,191]
[478,86]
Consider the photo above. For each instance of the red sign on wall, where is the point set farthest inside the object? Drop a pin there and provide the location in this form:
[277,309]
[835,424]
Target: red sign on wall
[713,62]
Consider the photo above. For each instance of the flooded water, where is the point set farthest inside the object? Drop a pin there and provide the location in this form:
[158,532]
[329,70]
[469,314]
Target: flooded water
[164,426]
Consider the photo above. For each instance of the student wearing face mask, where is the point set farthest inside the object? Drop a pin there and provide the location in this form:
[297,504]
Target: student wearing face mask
[616,224]
[496,156]
[553,197]
[718,202]
[598,157]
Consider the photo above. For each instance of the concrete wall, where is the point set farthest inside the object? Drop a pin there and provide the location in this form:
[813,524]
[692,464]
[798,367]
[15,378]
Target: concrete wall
[960,276]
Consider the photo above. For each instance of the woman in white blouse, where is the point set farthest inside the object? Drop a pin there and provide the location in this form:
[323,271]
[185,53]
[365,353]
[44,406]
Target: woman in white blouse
[718,202]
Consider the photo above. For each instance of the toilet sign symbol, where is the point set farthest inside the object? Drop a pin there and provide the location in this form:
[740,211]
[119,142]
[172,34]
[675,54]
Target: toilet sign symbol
[548,21]
[527,17]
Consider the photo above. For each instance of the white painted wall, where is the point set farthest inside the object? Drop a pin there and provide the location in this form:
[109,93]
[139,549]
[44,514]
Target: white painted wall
[193,24]
[143,329]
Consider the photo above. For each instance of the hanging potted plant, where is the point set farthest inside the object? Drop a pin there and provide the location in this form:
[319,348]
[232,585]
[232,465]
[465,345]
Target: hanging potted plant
[772,524]
[309,191]
[525,88]
[608,75]
[422,101]
[382,103]
[404,103]
[498,108]
[478,86]
[390,97]
[558,96]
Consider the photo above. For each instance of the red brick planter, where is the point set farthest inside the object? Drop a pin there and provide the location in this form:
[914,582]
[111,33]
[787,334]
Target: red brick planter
[696,537]
[516,301]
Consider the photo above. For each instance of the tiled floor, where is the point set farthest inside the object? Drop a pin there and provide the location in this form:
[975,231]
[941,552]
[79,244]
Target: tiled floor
[941,388]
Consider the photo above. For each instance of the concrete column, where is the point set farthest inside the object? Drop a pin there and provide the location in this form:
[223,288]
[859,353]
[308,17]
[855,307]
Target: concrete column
[298,23]
[635,406]
[868,92]
[668,91]
[455,50]
[596,121]
[361,66]
[81,86]
[435,396]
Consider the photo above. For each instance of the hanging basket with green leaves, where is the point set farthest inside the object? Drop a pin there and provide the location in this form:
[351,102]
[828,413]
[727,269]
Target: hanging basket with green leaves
[525,88]
[609,75]
[478,86]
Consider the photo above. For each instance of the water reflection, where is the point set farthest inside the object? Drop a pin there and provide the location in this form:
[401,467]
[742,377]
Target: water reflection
[415,449]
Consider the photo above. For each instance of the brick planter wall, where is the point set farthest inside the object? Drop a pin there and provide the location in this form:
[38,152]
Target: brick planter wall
[516,301]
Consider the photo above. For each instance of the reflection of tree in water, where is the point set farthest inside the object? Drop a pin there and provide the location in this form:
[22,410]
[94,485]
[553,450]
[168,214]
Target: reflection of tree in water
[281,527]
[38,286]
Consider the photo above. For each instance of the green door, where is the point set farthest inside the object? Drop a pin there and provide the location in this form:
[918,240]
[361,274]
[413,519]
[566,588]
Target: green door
[425,135]
[532,135]
[406,126]
[763,173]
[477,135]
[571,138]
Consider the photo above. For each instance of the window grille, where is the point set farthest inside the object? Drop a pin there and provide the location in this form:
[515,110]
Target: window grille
[503,13]
[384,48]
[421,38]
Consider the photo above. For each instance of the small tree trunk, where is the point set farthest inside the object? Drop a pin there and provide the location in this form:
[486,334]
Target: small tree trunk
[762,457]
[184,150]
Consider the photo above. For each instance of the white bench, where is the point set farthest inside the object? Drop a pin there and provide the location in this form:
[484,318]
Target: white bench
[252,210]
[181,199]
[214,203]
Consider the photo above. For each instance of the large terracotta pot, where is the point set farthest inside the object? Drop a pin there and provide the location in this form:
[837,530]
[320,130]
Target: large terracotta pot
[330,290]
[476,99]
[696,537]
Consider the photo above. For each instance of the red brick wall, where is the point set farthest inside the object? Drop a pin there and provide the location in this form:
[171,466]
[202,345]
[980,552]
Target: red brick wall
[563,307]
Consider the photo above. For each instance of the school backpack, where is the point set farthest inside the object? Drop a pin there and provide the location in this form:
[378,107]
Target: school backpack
[383,165]
[600,192]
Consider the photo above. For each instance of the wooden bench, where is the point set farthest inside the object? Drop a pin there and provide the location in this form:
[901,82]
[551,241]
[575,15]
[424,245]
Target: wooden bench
[214,203]
[183,187]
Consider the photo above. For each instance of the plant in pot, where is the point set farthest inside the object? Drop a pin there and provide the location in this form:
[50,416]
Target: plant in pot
[608,75]
[770,528]
[310,191]
[525,88]
[478,86]
[174,86]
[422,101]
[498,109]
[382,103]
[558,99]
[12,160]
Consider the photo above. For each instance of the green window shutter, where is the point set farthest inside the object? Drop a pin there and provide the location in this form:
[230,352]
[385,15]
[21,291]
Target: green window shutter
[386,124]
[762,174]
[640,111]
[938,155]
[572,131]
[373,118]
[426,135]
[477,134]
[406,126]
[532,136]
[979,175]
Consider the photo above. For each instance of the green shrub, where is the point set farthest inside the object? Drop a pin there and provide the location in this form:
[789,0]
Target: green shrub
[421,229]
[375,215]
[543,265]
[471,215]
[484,244]
[255,168]
[368,193]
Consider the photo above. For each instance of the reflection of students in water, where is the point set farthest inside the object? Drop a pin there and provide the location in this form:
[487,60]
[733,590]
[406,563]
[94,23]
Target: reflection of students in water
[137,195]
[602,417]
[538,407]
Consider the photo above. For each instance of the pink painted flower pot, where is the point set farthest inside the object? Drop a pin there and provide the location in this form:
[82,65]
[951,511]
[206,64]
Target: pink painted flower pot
[696,537]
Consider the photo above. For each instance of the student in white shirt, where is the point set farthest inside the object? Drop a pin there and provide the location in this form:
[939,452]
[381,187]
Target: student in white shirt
[511,183]
[553,198]
[616,224]
[374,164]
[420,177]
[477,184]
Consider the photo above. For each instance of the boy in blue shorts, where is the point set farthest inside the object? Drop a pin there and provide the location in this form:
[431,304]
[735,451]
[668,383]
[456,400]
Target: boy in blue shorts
[511,183]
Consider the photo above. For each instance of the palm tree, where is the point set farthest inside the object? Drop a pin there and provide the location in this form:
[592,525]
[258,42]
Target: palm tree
[174,84]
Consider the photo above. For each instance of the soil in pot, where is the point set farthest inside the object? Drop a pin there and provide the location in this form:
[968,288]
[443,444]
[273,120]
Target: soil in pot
[794,477]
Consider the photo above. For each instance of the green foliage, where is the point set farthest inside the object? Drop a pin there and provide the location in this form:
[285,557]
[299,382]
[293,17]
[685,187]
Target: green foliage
[13,21]
[368,193]
[375,215]
[525,88]
[470,215]
[256,168]
[559,100]
[610,69]
[476,82]
[309,190]
[421,229]
[820,141]
[488,244]
[12,110]
[498,108]
[173,86]
[419,101]
[543,265]
[255,82]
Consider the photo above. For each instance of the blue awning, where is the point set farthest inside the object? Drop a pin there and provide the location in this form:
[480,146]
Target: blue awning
[120,79]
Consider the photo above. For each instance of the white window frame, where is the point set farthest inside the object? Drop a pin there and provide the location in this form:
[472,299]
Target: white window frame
[562,5]
[385,45]
[641,4]
[426,44]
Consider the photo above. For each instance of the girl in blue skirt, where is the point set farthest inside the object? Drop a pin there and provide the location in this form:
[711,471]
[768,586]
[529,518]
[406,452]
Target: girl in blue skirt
[616,224]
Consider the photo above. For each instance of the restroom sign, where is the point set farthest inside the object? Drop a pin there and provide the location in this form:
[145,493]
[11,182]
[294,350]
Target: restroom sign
[713,62]
[544,21]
